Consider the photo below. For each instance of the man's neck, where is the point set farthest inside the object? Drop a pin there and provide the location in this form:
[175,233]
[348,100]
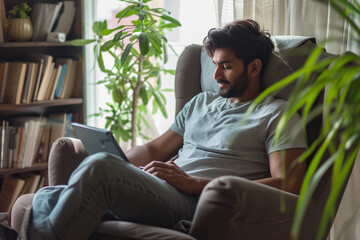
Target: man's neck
[250,94]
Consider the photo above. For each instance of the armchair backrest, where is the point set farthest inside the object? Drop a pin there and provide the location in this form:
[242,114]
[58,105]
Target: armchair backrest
[194,73]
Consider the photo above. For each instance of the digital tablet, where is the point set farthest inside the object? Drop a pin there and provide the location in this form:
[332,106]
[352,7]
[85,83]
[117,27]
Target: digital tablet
[98,140]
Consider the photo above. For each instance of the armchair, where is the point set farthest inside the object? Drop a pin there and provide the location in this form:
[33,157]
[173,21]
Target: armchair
[229,207]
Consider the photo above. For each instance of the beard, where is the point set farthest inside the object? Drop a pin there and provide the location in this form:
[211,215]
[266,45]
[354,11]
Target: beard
[237,89]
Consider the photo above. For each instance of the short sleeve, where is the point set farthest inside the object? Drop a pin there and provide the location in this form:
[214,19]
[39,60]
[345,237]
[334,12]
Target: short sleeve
[292,135]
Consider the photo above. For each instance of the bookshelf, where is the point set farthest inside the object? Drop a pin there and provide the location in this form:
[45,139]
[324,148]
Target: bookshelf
[74,104]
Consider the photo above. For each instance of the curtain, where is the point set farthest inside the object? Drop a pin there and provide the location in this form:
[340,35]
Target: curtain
[307,18]
[293,17]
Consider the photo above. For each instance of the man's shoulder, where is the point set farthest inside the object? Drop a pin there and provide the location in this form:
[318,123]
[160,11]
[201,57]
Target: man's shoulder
[206,96]
[272,104]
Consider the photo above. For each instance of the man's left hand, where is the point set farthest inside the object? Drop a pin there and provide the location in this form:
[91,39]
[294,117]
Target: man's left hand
[176,177]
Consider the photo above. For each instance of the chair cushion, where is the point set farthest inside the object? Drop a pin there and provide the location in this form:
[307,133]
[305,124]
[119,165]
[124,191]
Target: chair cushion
[109,230]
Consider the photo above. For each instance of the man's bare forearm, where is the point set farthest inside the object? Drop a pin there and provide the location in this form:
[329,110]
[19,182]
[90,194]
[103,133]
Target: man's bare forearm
[139,156]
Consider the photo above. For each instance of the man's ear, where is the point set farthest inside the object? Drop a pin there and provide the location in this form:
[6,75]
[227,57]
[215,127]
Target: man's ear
[254,68]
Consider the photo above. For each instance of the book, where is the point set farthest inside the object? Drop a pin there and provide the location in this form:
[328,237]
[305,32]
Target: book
[45,83]
[2,144]
[47,65]
[33,79]
[51,83]
[39,74]
[29,69]
[3,22]
[66,18]
[2,37]
[78,82]
[32,136]
[43,17]
[5,143]
[14,82]
[2,70]
[68,85]
[60,125]
[10,191]
[57,80]
[67,63]
[3,81]
[17,150]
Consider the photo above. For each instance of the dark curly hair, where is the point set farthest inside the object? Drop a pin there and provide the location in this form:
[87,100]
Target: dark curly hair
[245,38]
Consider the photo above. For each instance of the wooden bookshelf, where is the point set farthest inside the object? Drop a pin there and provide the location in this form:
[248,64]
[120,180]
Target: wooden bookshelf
[15,51]
[34,44]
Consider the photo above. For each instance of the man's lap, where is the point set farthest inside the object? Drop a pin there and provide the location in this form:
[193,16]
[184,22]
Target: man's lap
[103,183]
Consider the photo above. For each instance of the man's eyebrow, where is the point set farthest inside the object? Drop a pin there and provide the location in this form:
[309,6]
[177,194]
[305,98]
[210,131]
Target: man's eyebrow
[221,62]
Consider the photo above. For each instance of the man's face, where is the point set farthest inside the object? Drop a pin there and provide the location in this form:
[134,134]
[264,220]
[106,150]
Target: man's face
[229,73]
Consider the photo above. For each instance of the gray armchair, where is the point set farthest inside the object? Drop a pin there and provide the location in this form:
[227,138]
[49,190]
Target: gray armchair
[229,207]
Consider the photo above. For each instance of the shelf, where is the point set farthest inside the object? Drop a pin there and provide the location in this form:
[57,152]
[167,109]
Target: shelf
[50,103]
[42,108]
[36,167]
[35,44]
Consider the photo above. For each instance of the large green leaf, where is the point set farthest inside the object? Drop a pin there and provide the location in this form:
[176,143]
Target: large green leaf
[128,11]
[170,19]
[126,52]
[144,43]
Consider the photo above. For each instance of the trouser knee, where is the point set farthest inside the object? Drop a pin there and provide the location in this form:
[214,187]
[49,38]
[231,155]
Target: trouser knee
[97,165]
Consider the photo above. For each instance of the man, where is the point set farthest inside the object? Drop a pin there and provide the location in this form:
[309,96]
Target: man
[162,192]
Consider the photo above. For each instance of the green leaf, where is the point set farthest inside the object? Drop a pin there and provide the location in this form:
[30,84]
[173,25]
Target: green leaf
[155,42]
[82,42]
[144,95]
[117,36]
[101,62]
[107,45]
[128,11]
[144,43]
[170,19]
[159,103]
[117,95]
[126,52]
[99,26]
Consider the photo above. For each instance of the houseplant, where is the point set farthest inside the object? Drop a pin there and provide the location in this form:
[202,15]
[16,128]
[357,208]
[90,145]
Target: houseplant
[339,78]
[20,27]
[139,53]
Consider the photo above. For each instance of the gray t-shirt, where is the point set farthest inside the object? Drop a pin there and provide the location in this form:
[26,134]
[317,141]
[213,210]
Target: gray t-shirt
[208,123]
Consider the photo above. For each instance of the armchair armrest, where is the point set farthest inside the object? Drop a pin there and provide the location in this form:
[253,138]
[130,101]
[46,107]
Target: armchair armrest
[65,155]
[236,208]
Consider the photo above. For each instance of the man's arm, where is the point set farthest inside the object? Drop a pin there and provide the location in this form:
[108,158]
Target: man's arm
[162,148]
[294,171]
[154,157]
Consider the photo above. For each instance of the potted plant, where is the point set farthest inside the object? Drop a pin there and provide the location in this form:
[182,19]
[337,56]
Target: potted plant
[339,136]
[20,27]
[139,52]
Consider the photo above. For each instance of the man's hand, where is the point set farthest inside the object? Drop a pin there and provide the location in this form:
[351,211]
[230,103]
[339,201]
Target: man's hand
[176,177]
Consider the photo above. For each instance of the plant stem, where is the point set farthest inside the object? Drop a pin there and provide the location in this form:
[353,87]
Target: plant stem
[135,104]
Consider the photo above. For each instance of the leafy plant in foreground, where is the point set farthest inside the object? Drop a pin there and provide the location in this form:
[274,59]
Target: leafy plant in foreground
[339,138]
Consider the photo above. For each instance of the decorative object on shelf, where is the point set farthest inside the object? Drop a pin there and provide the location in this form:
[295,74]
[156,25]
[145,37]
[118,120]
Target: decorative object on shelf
[19,25]
[139,52]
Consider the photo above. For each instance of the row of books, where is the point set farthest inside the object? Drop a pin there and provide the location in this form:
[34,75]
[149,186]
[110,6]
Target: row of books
[39,77]
[26,141]
[14,186]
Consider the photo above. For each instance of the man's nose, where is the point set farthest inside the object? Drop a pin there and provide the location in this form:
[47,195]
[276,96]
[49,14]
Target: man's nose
[218,74]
